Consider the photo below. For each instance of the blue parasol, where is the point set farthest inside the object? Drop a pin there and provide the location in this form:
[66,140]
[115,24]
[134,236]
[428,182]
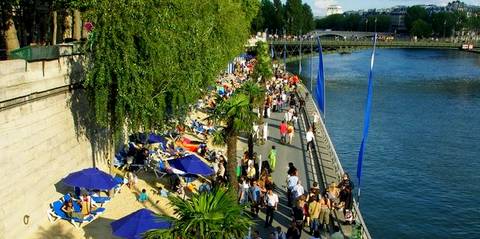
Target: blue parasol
[137,223]
[191,164]
[90,178]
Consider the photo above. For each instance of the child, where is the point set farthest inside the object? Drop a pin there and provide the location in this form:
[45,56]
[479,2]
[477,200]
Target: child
[143,196]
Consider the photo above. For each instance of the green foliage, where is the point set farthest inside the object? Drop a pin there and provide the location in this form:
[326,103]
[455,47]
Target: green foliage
[421,28]
[263,69]
[294,17]
[443,23]
[150,59]
[415,13]
[206,215]
[236,113]
[255,93]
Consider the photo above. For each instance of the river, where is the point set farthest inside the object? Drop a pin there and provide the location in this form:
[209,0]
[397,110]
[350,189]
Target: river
[421,171]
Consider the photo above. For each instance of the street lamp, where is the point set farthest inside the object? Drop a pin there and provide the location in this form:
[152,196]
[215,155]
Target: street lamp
[444,26]
[366,25]
[375,25]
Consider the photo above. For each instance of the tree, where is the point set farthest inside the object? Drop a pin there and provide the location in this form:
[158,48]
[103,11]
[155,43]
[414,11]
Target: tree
[256,95]
[279,18]
[7,24]
[263,69]
[149,60]
[421,28]
[294,16]
[236,116]
[379,22]
[415,13]
[215,214]
[443,23]
[308,21]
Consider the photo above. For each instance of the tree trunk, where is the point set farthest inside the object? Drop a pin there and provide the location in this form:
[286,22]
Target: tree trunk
[55,27]
[77,25]
[250,146]
[67,26]
[11,39]
[232,159]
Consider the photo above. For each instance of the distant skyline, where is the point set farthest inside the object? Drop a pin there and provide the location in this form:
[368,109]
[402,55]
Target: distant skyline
[319,6]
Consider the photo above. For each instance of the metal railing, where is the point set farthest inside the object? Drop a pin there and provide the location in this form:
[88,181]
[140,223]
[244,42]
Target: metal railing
[365,234]
[40,53]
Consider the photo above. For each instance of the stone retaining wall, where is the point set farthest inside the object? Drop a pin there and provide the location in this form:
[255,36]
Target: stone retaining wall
[41,140]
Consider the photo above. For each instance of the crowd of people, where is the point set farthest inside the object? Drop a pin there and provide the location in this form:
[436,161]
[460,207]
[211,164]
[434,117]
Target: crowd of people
[311,209]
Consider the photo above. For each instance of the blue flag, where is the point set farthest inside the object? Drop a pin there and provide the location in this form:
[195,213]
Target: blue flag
[368,109]
[320,88]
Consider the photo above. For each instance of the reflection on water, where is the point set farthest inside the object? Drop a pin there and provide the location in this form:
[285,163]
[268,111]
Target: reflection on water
[421,164]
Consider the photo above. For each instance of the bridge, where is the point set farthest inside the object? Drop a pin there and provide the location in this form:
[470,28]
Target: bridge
[345,34]
[309,46]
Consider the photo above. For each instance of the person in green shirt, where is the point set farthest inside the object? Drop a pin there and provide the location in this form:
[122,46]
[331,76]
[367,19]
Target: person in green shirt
[143,196]
[272,158]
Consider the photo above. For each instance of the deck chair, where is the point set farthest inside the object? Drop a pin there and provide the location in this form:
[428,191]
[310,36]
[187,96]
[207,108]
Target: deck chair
[77,207]
[56,213]
[159,168]
[100,200]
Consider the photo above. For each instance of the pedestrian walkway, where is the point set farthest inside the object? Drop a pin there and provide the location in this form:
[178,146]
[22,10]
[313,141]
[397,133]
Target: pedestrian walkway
[295,153]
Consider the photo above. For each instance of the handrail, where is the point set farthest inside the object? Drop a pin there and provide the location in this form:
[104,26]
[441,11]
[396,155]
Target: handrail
[340,172]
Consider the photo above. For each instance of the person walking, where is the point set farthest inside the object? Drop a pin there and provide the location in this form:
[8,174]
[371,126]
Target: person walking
[272,158]
[310,137]
[292,180]
[255,195]
[271,202]
[283,132]
[290,132]
[316,119]
[314,210]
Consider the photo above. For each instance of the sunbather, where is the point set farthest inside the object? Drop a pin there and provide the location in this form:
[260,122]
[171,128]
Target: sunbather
[67,208]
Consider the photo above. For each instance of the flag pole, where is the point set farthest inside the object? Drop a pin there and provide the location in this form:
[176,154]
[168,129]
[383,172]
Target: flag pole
[366,124]
[311,67]
[300,61]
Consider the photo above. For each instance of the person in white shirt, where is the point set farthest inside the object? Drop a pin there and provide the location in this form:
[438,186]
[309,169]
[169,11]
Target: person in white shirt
[310,137]
[316,119]
[271,201]
[298,190]
[292,181]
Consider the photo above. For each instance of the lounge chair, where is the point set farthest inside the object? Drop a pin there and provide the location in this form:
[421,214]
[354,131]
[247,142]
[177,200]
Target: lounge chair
[77,207]
[100,200]
[56,213]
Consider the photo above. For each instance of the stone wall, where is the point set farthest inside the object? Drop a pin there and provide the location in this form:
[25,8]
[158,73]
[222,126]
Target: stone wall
[43,138]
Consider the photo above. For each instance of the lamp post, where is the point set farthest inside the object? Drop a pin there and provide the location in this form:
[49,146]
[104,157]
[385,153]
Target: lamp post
[366,25]
[444,26]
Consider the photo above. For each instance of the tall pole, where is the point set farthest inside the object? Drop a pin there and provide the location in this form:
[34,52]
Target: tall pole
[375,25]
[300,54]
[366,25]
[311,66]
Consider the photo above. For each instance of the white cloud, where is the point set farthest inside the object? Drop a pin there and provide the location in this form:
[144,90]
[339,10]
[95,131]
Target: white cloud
[319,7]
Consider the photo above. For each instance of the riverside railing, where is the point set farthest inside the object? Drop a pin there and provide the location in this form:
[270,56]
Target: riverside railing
[364,233]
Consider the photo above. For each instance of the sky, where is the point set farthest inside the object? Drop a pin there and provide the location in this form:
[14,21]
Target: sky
[319,6]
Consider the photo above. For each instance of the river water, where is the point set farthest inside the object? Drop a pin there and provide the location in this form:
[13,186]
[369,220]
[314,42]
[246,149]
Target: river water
[421,171]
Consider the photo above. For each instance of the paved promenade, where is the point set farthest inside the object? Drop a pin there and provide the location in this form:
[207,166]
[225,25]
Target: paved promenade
[296,153]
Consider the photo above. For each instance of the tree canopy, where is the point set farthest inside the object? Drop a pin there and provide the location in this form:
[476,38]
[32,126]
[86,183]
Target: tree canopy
[294,17]
[150,59]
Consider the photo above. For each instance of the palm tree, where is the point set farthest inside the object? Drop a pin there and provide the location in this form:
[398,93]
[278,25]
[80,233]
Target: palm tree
[236,116]
[263,68]
[206,215]
[256,95]
[8,24]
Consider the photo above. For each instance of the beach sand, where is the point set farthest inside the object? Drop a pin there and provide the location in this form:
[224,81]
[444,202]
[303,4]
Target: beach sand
[121,205]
